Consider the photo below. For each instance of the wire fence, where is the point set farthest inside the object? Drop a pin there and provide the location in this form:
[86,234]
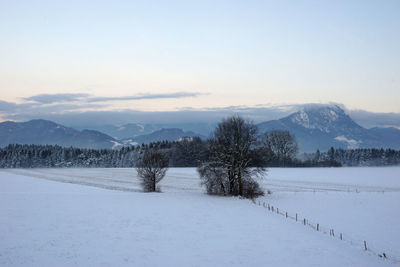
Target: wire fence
[387,254]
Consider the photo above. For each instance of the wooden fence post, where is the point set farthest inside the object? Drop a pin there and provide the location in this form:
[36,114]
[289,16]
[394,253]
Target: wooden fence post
[365,245]
[296,217]
[286,214]
[341,237]
[317,226]
[304,221]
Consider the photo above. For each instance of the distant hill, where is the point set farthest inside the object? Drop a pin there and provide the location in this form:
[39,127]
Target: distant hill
[128,130]
[322,127]
[315,127]
[131,130]
[42,132]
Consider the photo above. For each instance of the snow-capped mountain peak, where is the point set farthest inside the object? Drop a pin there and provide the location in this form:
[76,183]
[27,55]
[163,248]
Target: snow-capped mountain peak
[320,118]
[325,126]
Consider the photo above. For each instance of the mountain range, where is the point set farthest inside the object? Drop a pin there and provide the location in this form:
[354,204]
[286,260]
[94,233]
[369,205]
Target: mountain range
[130,130]
[329,126]
[169,134]
[317,127]
[43,132]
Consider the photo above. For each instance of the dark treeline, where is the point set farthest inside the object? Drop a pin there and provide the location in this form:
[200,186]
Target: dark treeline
[354,157]
[189,152]
[184,153]
[48,156]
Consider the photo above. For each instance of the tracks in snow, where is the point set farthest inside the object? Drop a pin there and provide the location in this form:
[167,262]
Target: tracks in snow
[125,179]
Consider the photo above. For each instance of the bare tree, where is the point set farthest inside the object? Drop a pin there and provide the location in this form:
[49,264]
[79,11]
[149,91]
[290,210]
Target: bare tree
[229,169]
[152,168]
[282,144]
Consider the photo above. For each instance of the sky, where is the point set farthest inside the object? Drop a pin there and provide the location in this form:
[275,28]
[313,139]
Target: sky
[59,57]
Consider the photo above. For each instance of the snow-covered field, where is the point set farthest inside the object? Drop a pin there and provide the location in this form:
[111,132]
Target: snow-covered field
[362,203]
[82,222]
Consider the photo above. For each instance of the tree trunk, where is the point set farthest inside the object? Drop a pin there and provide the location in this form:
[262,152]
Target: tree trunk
[240,183]
[231,183]
[154,182]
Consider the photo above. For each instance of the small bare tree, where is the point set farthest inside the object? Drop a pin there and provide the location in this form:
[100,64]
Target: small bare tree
[282,144]
[152,168]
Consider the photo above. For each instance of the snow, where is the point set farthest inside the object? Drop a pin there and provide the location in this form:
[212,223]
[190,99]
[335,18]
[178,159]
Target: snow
[130,142]
[329,114]
[361,203]
[45,223]
[184,139]
[301,118]
[351,143]
[319,118]
[333,115]
[141,126]
[115,144]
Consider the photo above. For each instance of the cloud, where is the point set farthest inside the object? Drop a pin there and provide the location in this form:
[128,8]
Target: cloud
[64,98]
[82,119]
[56,98]
[372,119]
[7,106]
[84,114]
[57,105]
[10,110]
[145,96]
[72,115]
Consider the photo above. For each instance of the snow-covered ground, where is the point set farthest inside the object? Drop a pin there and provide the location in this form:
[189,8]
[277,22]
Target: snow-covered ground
[82,222]
[362,203]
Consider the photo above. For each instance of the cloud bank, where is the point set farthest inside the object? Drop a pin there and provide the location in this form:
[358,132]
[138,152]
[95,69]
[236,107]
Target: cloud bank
[84,110]
[65,98]
[57,105]
[56,98]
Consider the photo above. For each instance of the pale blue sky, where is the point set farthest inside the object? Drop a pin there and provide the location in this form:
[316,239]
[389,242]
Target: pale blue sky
[209,53]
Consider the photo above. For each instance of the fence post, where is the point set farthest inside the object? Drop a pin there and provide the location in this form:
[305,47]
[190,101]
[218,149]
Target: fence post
[331,231]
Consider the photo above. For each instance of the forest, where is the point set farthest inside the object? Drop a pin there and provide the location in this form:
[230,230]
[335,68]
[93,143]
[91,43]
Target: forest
[189,152]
